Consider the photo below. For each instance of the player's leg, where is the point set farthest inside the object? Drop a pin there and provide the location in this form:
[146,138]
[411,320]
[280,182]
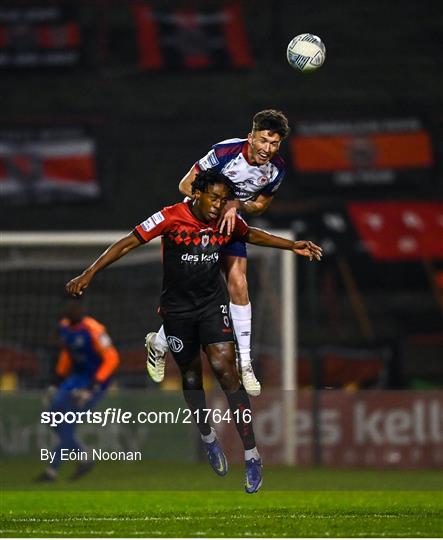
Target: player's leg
[217,339]
[68,440]
[85,466]
[62,402]
[235,266]
[186,353]
[156,349]
[221,356]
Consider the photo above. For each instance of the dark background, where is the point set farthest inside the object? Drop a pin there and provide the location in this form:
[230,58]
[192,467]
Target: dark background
[383,60]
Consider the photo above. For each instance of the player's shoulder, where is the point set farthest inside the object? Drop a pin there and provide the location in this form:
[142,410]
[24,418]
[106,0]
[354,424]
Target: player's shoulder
[93,325]
[229,146]
[161,215]
[233,141]
[241,227]
[174,209]
[240,219]
[278,162]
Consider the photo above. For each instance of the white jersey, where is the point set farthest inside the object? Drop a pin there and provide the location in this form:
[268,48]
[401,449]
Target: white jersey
[230,158]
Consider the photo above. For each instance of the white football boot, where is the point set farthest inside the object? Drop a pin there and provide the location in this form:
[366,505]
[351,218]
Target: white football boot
[155,358]
[249,380]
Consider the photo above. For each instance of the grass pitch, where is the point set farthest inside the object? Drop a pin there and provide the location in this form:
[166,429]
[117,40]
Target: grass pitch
[161,500]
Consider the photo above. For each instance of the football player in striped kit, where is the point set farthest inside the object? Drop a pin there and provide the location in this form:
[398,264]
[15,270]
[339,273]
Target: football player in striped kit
[256,171]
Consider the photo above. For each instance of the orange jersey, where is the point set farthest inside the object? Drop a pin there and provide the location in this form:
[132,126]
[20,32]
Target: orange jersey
[87,350]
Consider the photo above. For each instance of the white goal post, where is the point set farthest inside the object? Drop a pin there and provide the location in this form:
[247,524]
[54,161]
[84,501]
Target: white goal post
[18,242]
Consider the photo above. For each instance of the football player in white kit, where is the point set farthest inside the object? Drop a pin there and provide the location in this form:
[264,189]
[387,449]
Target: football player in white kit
[256,170]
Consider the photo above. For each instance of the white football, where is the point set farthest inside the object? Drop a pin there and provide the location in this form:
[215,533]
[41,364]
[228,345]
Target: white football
[306,52]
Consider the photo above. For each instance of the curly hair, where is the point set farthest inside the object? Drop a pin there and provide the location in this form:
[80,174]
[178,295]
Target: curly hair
[271,120]
[210,177]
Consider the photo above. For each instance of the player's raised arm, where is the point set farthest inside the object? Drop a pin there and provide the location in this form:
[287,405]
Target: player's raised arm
[185,185]
[257,206]
[306,248]
[114,252]
[253,208]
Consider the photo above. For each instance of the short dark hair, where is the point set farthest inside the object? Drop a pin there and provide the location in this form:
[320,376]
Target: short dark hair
[210,177]
[271,120]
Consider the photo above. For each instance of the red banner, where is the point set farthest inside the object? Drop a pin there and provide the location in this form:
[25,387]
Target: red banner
[401,429]
[190,38]
[43,35]
[399,231]
[44,165]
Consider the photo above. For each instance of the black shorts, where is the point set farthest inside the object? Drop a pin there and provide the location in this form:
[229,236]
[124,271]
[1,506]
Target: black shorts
[185,335]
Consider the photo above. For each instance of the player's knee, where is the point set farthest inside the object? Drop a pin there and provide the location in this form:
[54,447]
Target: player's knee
[192,380]
[223,363]
[229,382]
[221,356]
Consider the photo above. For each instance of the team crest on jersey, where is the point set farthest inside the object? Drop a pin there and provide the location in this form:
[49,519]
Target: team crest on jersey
[262,180]
[205,240]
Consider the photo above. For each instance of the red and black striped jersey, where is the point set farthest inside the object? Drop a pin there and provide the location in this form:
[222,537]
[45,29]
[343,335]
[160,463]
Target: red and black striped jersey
[191,257]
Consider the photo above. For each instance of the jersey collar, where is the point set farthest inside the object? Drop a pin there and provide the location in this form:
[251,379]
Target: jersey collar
[244,151]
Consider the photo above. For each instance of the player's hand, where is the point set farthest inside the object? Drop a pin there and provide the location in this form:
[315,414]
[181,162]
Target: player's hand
[306,248]
[77,285]
[49,395]
[228,220]
[81,396]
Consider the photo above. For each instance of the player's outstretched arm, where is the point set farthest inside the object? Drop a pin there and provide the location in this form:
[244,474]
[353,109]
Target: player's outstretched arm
[306,248]
[114,252]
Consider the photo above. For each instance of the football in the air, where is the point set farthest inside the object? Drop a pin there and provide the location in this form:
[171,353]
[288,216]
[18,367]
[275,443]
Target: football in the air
[306,52]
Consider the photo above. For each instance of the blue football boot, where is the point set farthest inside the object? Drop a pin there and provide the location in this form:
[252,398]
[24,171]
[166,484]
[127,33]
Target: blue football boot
[254,478]
[216,457]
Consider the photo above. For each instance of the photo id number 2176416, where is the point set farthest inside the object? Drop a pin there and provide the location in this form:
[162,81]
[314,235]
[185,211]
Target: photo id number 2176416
[217,416]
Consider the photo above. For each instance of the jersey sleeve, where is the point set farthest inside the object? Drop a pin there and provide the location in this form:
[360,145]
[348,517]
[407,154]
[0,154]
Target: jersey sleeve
[209,161]
[219,155]
[153,226]
[241,228]
[109,356]
[103,345]
[64,364]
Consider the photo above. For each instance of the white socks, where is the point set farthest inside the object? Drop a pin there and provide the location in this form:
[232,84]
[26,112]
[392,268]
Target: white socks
[249,454]
[209,438]
[242,320]
[160,341]
[253,453]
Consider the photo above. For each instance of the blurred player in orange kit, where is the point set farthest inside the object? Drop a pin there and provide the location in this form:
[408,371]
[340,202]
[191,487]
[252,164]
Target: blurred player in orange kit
[83,371]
